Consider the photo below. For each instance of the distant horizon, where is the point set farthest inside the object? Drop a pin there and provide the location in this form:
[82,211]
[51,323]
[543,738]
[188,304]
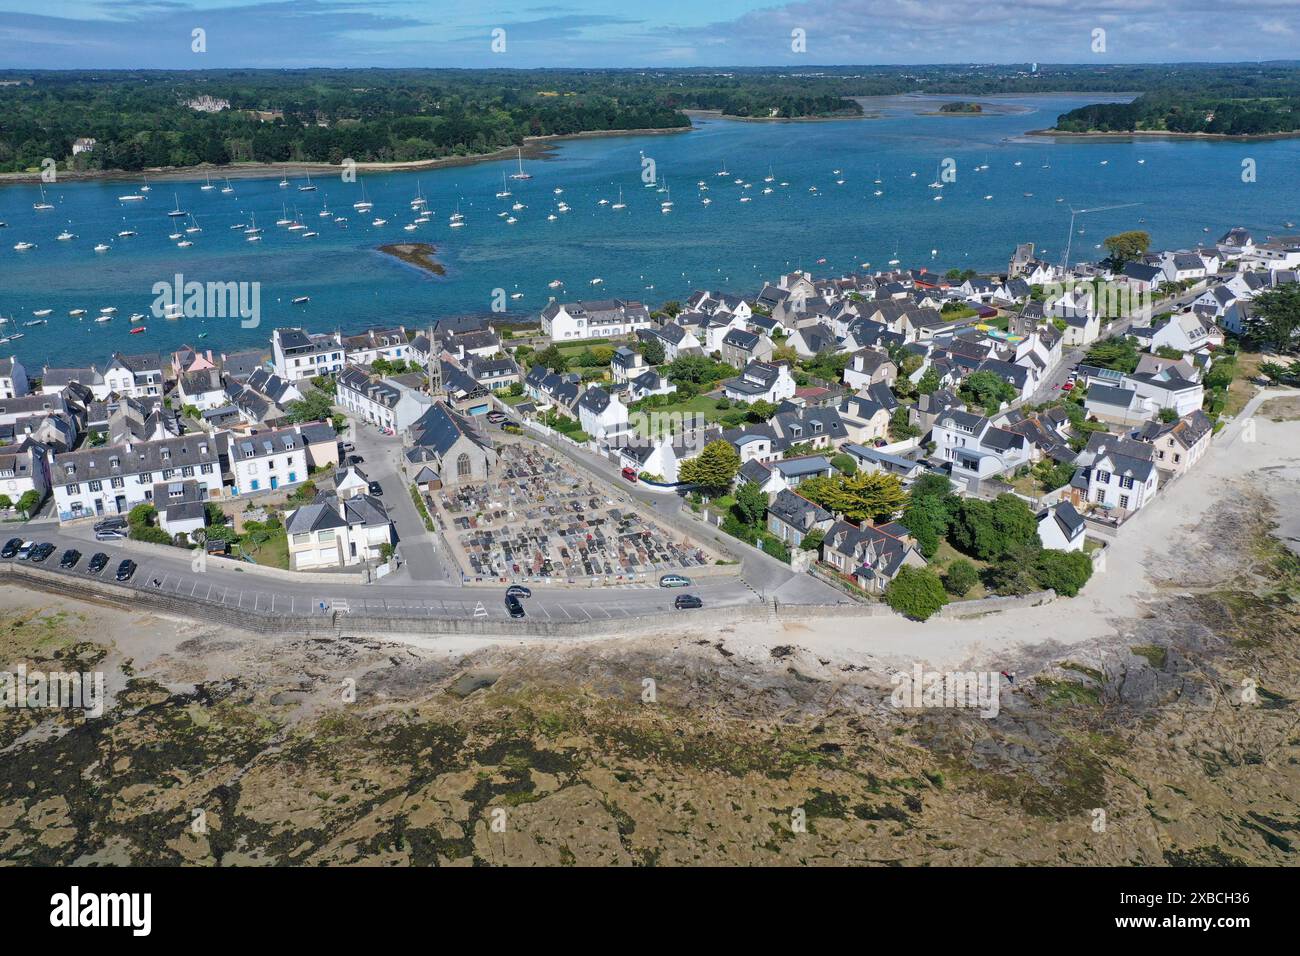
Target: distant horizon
[618,34]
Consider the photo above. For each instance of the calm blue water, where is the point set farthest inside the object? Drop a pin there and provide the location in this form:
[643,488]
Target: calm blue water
[1183,187]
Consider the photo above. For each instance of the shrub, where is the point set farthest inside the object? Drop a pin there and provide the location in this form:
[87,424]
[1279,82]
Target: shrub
[916,593]
[1065,572]
[960,577]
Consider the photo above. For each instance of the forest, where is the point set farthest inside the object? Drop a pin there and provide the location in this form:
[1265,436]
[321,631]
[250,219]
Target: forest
[153,119]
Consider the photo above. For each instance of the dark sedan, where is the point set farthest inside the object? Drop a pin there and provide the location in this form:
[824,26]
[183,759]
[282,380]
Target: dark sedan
[125,570]
[513,605]
[98,562]
[42,551]
[69,559]
[684,601]
[11,547]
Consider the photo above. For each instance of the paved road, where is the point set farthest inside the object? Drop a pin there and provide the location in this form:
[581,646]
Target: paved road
[228,582]
[421,552]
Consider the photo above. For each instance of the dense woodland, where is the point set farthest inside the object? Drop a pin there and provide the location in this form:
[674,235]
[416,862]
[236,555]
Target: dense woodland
[141,119]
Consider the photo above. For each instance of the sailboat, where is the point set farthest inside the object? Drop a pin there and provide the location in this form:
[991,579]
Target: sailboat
[419,199]
[878,180]
[521,174]
[194,226]
[457,220]
[365,205]
[43,204]
[769,178]
[207,186]
[505,190]
[284,219]
[308,188]
[620,204]
[284,183]
[178,211]
[144,185]
[227,189]
[667,204]
[253,230]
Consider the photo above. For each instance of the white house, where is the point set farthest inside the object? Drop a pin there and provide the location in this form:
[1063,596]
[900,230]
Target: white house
[675,339]
[1186,332]
[1183,266]
[201,389]
[1061,528]
[269,460]
[388,403]
[599,412]
[23,469]
[976,447]
[592,320]
[296,355]
[335,532]
[13,378]
[113,479]
[135,376]
[654,457]
[770,382]
[1118,481]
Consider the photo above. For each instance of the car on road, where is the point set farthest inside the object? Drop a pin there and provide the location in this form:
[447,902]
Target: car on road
[376,489]
[519,591]
[11,547]
[110,534]
[514,606]
[125,570]
[41,552]
[630,475]
[684,601]
[98,562]
[111,523]
[69,559]
[496,418]
[1067,387]
[348,447]
[355,460]
[674,581]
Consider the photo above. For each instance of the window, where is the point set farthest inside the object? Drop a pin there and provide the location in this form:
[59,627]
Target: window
[303,538]
[255,484]
[1103,477]
[1123,501]
[205,469]
[74,489]
[1126,482]
[463,466]
[187,471]
[1177,459]
[116,482]
[96,485]
[326,536]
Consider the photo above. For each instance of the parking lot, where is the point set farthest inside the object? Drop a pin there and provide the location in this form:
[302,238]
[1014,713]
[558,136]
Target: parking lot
[541,520]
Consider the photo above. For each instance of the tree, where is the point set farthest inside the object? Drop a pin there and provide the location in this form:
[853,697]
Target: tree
[1065,572]
[900,425]
[312,407]
[6,502]
[845,463]
[1275,318]
[986,389]
[812,541]
[990,530]
[960,577]
[859,497]
[760,410]
[652,350]
[29,502]
[1118,354]
[916,593]
[1168,414]
[551,357]
[751,503]
[713,469]
[1127,246]
[928,382]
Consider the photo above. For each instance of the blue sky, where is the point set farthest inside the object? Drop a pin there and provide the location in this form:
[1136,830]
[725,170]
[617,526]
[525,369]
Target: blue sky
[64,34]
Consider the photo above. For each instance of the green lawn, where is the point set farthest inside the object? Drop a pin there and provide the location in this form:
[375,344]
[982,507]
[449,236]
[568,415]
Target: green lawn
[271,553]
[700,404]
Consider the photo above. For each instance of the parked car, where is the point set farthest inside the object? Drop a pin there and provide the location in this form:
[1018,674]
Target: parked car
[518,590]
[109,523]
[513,605]
[69,559]
[11,547]
[354,460]
[41,552]
[98,562]
[376,489]
[674,581]
[684,601]
[496,418]
[111,534]
[348,447]
[1068,387]
[630,475]
[125,570]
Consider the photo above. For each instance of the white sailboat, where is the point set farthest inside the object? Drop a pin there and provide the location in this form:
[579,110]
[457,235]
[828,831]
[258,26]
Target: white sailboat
[207,187]
[308,188]
[365,205]
[620,204]
[521,174]
[505,190]
[227,189]
[43,204]
[178,211]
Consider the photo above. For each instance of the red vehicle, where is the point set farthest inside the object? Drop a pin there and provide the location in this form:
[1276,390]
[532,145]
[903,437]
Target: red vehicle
[630,474]
[1067,387]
